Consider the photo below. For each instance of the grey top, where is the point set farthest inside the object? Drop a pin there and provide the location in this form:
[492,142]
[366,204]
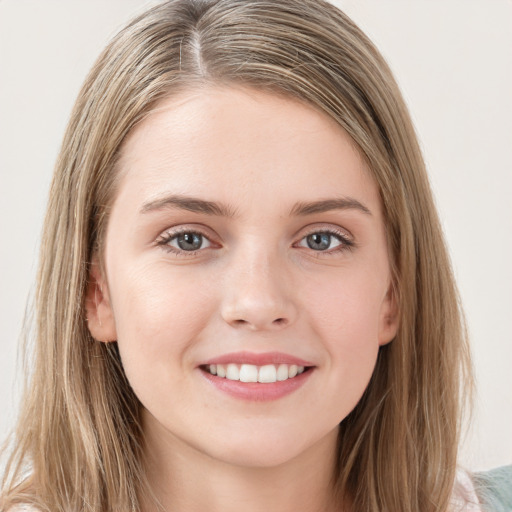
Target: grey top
[494,489]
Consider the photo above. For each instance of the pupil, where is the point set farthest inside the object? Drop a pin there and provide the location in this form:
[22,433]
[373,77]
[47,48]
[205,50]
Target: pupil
[319,241]
[189,241]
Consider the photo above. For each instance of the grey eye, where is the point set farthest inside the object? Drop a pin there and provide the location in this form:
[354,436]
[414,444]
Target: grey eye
[189,241]
[320,241]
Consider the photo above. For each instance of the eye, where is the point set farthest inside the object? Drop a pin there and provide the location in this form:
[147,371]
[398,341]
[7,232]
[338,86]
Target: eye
[184,241]
[326,241]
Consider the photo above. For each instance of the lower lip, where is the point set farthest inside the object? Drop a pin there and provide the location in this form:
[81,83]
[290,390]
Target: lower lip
[257,391]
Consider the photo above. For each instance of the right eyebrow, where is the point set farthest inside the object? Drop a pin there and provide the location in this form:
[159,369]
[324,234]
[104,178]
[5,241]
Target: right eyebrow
[191,204]
[326,205]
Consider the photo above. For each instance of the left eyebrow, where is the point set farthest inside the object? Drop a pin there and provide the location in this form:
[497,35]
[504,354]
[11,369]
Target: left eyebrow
[326,205]
[191,204]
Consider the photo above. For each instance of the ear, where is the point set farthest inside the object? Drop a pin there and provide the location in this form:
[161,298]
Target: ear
[100,316]
[389,317]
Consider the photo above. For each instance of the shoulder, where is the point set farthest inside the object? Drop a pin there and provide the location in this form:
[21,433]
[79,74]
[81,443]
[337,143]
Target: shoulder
[494,489]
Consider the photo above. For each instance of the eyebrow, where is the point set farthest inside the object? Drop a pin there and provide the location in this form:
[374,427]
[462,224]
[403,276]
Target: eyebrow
[326,205]
[196,205]
[191,204]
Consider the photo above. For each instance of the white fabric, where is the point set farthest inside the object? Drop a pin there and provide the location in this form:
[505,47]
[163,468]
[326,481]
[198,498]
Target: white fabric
[464,498]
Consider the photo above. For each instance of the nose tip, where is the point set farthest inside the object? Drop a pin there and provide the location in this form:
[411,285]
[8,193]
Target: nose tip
[258,301]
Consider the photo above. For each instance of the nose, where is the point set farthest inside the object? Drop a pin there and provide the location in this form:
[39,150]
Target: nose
[258,294]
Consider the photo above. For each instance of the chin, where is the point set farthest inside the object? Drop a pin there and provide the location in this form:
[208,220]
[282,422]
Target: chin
[267,449]
[257,457]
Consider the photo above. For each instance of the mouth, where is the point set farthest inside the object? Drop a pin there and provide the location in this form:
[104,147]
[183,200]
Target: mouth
[257,377]
[266,374]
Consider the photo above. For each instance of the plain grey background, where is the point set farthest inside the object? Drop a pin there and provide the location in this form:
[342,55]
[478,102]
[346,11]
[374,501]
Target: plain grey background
[453,61]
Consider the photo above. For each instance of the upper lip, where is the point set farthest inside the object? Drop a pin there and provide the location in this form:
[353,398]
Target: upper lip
[257,359]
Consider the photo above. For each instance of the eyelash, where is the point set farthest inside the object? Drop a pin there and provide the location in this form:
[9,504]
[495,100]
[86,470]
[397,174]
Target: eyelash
[346,244]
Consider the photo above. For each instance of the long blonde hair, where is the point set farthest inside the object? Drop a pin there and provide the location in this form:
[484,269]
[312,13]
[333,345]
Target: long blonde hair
[77,445]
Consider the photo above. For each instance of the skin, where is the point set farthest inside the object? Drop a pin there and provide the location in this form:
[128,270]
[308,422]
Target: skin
[255,285]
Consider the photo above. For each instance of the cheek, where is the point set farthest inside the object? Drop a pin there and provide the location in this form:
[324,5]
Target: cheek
[345,316]
[346,308]
[158,313]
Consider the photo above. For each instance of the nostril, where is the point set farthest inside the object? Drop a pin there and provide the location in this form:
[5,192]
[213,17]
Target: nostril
[276,322]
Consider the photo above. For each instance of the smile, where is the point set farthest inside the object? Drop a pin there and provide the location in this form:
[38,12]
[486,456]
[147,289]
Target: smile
[268,373]
[257,377]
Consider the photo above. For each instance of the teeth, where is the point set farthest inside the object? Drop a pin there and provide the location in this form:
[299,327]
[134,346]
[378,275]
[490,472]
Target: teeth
[267,373]
[251,373]
[292,371]
[283,372]
[232,372]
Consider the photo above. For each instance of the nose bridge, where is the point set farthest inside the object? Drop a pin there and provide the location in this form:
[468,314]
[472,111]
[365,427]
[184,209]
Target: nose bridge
[257,289]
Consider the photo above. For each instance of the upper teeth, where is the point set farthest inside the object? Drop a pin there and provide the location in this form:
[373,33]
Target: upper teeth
[251,373]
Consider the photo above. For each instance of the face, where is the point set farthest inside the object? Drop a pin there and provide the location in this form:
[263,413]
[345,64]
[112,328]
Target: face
[246,238]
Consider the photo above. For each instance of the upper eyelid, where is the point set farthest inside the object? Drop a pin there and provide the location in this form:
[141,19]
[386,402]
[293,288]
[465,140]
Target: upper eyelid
[338,230]
[176,230]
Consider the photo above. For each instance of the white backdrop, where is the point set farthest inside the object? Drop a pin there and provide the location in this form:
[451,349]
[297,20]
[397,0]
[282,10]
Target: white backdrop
[453,61]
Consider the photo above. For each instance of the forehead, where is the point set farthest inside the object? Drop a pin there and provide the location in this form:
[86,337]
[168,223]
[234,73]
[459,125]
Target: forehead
[218,140]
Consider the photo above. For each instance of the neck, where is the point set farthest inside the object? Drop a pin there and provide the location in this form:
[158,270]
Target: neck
[184,479]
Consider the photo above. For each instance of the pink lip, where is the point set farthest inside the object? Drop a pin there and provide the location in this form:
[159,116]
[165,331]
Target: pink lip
[257,391]
[257,359]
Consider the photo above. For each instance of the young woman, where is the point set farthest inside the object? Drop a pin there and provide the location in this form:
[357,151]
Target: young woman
[244,297]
